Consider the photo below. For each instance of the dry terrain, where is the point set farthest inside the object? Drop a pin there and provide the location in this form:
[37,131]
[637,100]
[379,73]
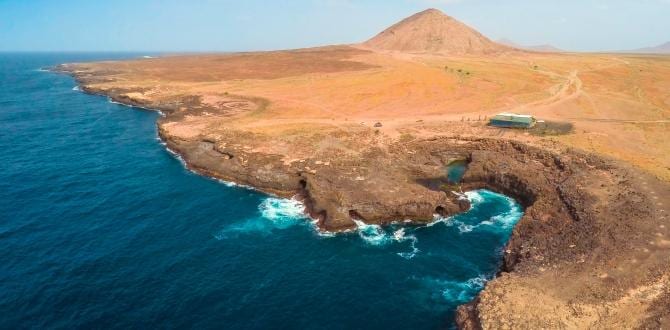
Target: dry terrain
[365,131]
[619,104]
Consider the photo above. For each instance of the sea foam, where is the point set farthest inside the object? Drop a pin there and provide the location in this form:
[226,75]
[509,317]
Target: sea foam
[452,290]
[372,234]
[463,291]
[400,236]
[477,199]
[274,214]
[282,212]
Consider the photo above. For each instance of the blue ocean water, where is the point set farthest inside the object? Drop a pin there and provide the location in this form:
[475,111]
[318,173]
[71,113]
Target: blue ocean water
[100,227]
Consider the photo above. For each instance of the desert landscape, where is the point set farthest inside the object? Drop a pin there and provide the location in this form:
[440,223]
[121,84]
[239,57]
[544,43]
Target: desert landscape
[365,131]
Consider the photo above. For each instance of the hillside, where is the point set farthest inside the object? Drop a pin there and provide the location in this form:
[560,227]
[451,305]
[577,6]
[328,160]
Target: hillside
[660,49]
[365,133]
[431,31]
[536,48]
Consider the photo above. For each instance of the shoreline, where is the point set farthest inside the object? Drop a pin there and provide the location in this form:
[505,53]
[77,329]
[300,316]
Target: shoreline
[567,209]
[299,196]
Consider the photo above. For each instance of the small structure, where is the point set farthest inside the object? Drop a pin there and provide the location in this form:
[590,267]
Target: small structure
[513,120]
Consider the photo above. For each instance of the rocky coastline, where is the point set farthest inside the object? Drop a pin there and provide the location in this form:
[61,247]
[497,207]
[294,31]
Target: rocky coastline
[587,218]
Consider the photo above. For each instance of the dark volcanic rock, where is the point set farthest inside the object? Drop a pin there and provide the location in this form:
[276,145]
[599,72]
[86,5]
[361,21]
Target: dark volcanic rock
[592,242]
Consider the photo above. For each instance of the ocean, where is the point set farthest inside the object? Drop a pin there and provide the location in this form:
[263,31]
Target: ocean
[101,227]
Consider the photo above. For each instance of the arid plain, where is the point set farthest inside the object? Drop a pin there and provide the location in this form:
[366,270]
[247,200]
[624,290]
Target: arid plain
[619,104]
[358,130]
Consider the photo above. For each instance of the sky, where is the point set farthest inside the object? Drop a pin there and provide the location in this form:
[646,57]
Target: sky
[242,25]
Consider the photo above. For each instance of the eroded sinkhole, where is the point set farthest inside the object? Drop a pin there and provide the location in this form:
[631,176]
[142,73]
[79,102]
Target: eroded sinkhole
[451,178]
[456,170]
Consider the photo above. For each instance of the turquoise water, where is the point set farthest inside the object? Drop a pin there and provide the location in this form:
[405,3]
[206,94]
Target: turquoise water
[101,227]
[456,170]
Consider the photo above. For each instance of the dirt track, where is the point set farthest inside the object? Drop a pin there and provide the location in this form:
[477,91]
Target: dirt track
[593,247]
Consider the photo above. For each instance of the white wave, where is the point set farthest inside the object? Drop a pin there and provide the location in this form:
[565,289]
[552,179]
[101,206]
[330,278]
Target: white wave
[438,219]
[110,100]
[76,89]
[147,56]
[375,235]
[322,232]
[275,213]
[372,234]
[463,291]
[464,228]
[282,212]
[400,236]
[502,221]
[453,221]
[460,195]
[507,219]
[234,184]
[175,155]
[227,183]
[475,197]
[455,291]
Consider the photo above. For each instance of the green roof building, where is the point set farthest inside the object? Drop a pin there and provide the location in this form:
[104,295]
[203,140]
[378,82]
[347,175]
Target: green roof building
[513,120]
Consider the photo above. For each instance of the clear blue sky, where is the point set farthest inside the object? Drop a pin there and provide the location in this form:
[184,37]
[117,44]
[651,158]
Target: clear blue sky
[208,25]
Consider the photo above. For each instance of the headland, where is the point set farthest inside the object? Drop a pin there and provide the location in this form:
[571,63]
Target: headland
[365,132]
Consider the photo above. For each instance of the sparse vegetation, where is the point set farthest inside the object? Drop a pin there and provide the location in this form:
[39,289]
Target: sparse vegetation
[406,137]
[552,128]
[448,187]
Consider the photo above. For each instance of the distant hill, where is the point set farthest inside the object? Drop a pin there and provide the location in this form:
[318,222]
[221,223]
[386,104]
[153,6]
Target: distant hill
[431,31]
[660,49]
[537,48]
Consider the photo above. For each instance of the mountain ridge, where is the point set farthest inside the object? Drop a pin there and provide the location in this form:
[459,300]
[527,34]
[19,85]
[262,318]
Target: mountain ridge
[546,48]
[663,48]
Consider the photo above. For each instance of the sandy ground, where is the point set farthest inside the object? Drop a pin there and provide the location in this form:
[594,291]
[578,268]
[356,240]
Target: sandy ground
[619,105]
[355,128]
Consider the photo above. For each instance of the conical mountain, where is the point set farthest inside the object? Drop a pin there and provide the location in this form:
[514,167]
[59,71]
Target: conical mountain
[432,31]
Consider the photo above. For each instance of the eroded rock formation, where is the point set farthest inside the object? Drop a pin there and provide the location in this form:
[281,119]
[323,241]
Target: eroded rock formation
[591,250]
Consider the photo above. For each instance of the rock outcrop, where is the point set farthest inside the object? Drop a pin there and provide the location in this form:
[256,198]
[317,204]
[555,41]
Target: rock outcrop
[591,250]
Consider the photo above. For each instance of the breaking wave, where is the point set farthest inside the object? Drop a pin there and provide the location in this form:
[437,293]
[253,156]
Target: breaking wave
[275,213]
[283,213]
[112,101]
[372,234]
[456,291]
[481,199]
[400,236]
[463,291]
[475,197]
[376,235]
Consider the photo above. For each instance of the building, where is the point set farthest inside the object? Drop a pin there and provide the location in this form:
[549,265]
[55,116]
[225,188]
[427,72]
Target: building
[513,120]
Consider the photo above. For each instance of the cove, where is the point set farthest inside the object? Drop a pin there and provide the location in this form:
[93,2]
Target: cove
[102,227]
